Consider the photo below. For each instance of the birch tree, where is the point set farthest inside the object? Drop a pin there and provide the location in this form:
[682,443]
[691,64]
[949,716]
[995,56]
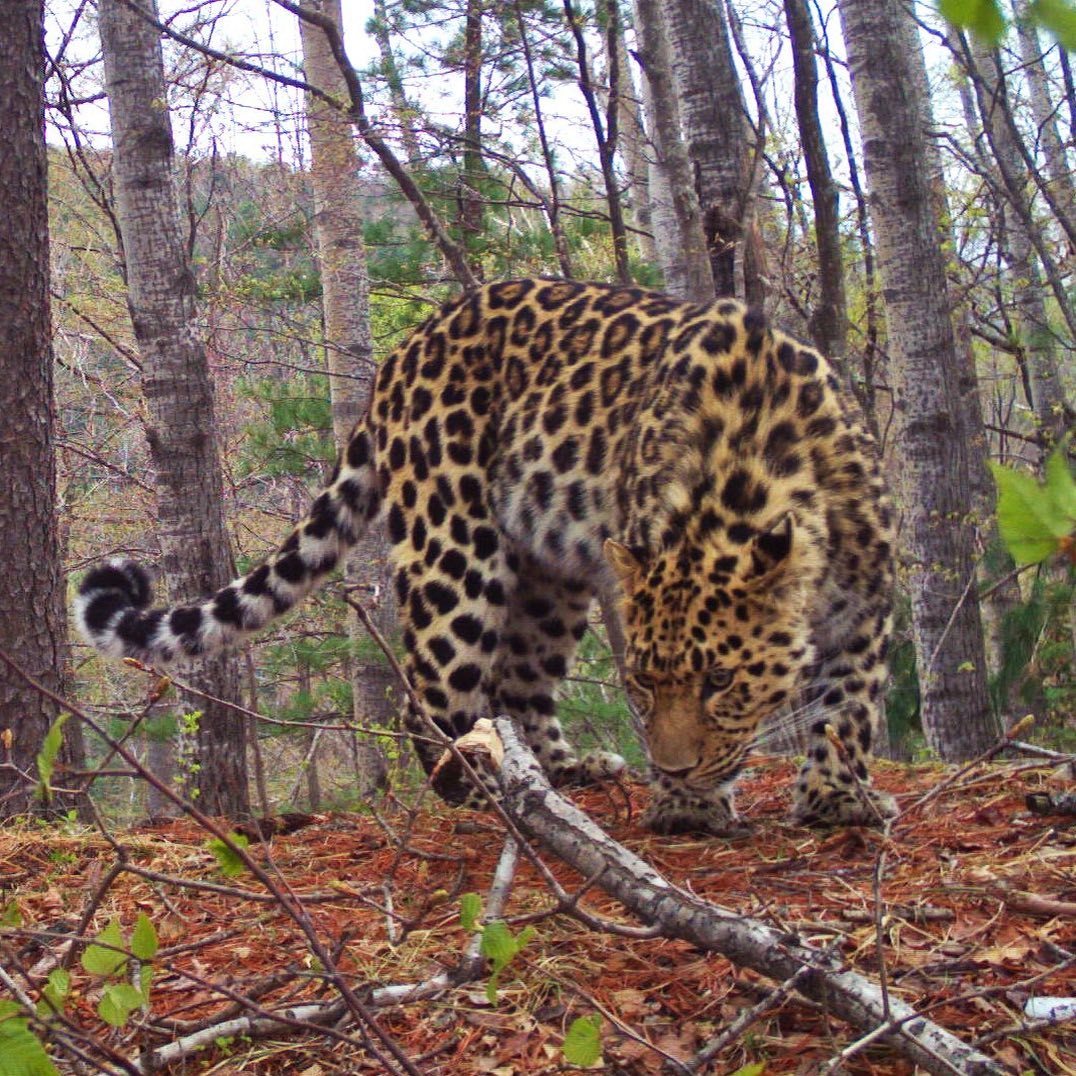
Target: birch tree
[345,298]
[181,427]
[925,373]
[33,624]
[714,119]
[1037,353]
[675,212]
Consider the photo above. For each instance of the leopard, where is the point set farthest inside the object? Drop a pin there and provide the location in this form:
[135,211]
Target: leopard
[537,443]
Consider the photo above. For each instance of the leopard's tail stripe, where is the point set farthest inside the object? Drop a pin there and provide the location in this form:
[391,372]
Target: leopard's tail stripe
[112,608]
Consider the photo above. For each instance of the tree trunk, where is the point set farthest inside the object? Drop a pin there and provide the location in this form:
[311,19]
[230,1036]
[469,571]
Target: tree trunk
[1043,109]
[631,145]
[714,118]
[829,319]
[471,174]
[345,297]
[925,375]
[405,112]
[33,623]
[675,212]
[181,424]
[1035,338]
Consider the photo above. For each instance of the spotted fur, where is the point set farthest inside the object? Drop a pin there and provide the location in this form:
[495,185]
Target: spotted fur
[536,441]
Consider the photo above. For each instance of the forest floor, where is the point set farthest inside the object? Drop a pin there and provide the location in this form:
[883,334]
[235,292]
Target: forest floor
[978,915]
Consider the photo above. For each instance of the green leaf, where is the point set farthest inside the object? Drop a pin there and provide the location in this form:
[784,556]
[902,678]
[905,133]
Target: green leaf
[1028,520]
[1060,485]
[756,1068]
[56,991]
[231,866]
[498,943]
[118,1002]
[9,1009]
[145,981]
[106,962]
[144,938]
[470,910]
[46,757]
[11,916]
[982,17]
[1059,18]
[21,1053]
[583,1043]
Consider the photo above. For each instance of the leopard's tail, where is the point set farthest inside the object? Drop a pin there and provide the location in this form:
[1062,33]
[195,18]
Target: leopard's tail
[112,608]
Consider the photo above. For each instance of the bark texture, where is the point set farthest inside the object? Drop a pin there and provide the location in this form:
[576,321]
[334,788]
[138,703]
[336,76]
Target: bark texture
[1038,353]
[345,297]
[926,375]
[181,425]
[675,211]
[631,145]
[714,119]
[829,318]
[562,828]
[33,624]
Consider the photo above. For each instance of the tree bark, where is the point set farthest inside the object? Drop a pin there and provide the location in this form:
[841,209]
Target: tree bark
[404,110]
[829,319]
[631,146]
[1043,109]
[345,297]
[33,622]
[471,173]
[714,118]
[1038,354]
[560,826]
[925,374]
[675,211]
[181,426]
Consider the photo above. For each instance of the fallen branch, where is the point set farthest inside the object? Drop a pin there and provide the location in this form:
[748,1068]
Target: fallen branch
[263,1024]
[544,815]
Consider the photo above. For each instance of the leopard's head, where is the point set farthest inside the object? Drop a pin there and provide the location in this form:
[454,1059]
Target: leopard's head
[716,636]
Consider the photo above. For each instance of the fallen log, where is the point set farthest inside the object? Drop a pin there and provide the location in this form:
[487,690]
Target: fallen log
[564,830]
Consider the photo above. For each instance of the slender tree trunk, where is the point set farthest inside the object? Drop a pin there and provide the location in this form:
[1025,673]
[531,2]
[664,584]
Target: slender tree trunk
[553,203]
[605,132]
[675,211]
[714,118]
[404,110]
[471,174]
[925,374]
[1043,109]
[1038,353]
[345,297]
[181,425]
[631,145]
[33,623]
[829,319]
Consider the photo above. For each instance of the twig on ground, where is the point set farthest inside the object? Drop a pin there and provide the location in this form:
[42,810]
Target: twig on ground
[995,749]
[752,1015]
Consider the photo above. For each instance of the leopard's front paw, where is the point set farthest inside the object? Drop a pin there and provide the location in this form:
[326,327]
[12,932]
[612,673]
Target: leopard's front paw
[684,812]
[832,808]
[592,768]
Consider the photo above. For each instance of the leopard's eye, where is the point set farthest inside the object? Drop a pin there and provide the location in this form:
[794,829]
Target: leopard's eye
[719,678]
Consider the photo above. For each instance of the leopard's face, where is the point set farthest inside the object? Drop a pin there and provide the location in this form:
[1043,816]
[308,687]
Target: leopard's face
[714,645]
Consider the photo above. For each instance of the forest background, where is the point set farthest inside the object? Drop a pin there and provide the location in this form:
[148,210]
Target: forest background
[315,214]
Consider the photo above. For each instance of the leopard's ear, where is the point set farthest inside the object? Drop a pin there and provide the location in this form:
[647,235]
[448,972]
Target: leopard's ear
[625,564]
[771,549]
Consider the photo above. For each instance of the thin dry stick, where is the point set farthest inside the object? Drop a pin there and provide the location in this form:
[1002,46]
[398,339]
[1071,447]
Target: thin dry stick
[748,1017]
[1004,741]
